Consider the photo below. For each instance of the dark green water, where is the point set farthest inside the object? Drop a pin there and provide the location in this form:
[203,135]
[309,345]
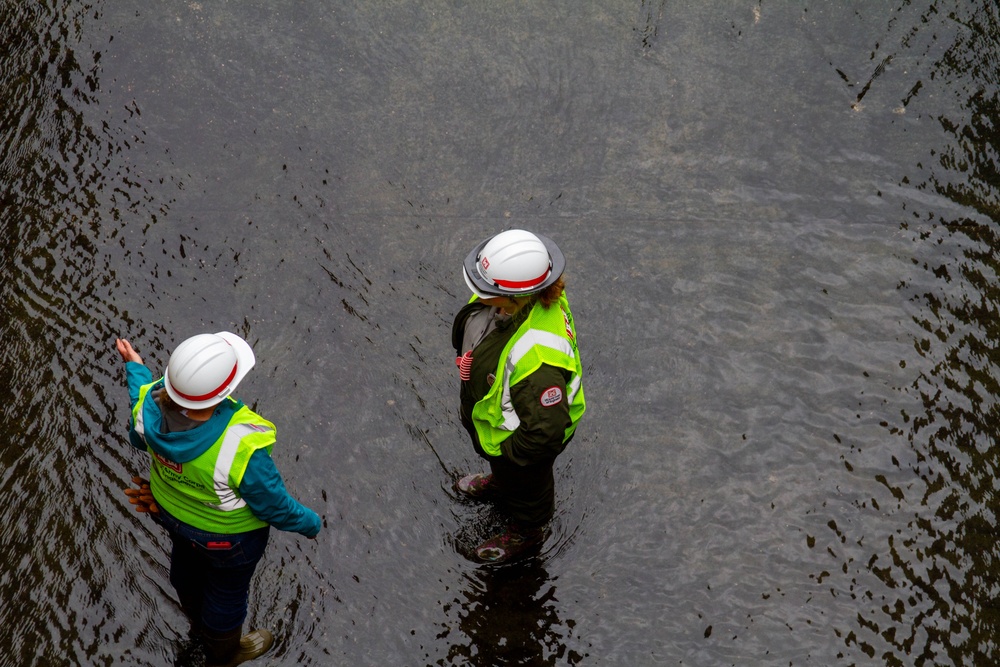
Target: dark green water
[781,224]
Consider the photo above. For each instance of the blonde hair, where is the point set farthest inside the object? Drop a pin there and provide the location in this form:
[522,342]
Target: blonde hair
[164,401]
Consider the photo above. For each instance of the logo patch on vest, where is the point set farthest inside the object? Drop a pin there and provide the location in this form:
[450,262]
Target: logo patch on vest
[176,467]
[551,396]
[569,325]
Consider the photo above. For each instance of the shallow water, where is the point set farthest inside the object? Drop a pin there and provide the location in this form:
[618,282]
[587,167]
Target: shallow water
[781,228]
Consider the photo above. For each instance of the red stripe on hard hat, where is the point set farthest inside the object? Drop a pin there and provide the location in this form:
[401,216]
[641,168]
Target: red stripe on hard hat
[211,394]
[519,284]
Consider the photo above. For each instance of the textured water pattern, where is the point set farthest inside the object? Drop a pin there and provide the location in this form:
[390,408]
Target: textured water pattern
[782,234]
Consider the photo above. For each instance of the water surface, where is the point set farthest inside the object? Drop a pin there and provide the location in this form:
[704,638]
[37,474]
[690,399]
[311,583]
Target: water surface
[781,227]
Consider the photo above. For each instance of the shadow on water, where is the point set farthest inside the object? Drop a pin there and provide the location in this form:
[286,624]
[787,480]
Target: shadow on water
[935,586]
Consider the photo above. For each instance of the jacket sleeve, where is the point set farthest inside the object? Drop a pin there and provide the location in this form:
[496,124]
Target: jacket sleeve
[264,492]
[136,375]
[543,419]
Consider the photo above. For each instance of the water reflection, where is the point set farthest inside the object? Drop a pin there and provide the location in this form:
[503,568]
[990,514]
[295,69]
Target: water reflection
[938,578]
[508,615]
[344,283]
[60,537]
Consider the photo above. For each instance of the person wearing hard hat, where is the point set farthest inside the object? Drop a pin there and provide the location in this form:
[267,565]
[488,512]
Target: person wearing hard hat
[521,381]
[212,484]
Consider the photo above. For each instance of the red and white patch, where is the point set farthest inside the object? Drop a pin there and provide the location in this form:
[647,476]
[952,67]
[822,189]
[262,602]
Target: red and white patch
[176,467]
[551,396]
[569,325]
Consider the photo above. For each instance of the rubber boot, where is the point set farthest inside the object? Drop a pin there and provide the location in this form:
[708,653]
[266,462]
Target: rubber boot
[229,649]
[516,542]
[478,486]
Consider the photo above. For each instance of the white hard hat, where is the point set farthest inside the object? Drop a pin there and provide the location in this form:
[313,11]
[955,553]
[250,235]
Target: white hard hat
[206,368]
[513,263]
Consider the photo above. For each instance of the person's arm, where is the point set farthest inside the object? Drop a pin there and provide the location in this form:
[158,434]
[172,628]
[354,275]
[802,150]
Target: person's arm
[541,405]
[136,375]
[264,492]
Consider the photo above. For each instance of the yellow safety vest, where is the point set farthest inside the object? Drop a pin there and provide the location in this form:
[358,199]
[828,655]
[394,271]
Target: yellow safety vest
[203,492]
[547,336]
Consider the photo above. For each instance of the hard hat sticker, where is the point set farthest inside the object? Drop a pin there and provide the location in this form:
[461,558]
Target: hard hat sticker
[551,396]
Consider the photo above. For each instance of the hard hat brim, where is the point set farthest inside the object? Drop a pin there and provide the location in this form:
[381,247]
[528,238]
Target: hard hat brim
[245,360]
[487,290]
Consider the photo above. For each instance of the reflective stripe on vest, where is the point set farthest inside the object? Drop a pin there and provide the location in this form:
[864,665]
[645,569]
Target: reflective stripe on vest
[139,422]
[229,500]
[521,347]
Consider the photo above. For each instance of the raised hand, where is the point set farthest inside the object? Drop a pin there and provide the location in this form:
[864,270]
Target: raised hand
[126,350]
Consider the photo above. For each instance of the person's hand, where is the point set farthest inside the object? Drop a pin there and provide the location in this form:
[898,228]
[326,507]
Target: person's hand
[142,497]
[127,351]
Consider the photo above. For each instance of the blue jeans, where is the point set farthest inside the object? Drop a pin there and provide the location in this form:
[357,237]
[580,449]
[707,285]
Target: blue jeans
[211,572]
